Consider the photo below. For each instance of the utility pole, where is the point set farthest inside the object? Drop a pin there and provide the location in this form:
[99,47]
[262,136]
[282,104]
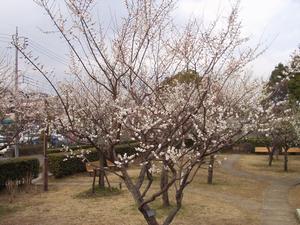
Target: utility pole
[45,136]
[17,62]
[16,87]
[45,146]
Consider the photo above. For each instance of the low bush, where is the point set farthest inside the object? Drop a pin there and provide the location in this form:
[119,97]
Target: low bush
[257,141]
[128,148]
[247,145]
[18,169]
[99,192]
[30,149]
[54,150]
[60,165]
[75,147]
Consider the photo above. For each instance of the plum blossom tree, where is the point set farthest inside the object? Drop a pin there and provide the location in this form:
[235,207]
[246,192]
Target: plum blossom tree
[16,114]
[280,114]
[280,129]
[6,96]
[117,92]
[4,83]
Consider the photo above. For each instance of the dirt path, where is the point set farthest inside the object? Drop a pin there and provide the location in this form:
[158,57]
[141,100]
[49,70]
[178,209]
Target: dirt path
[276,209]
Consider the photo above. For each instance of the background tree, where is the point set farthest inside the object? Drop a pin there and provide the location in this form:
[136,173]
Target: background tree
[294,77]
[282,94]
[285,80]
[16,114]
[275,85]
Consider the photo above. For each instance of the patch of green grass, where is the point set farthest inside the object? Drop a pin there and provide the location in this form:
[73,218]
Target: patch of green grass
[99,192]
[162,211]
[7,209]
[159,209]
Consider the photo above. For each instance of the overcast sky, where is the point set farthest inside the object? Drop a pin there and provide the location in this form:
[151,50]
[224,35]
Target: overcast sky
[274,23]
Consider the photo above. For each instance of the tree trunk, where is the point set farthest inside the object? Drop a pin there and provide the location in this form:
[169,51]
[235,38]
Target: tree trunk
[210,169]
[163,183]
[285,160]
[148,214]
[101,181]
[150,218]
[271,157]
[174,211]
[277,154]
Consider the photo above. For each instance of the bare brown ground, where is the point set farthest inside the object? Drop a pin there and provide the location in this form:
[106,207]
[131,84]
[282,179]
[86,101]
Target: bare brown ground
[294,197]
[229,201]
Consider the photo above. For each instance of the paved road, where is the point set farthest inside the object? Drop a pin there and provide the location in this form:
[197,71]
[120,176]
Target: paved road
[276,209]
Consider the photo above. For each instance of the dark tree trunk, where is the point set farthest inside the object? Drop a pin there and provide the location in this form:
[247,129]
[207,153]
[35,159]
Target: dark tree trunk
[174,211]
[271,152]
[277,154]
[210,169]
[163,183]
[145,210]
[101,181]
[285,160]
[151,220]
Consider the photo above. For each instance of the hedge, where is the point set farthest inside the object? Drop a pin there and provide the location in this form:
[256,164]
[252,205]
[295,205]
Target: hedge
[60,167]
[18,169]
[256,141]
[248,144]
[125,147]
[76,147]
[128,148]
[29,149]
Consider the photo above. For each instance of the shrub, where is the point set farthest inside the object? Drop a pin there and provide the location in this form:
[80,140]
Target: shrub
[248,144]
[18,169]
[257,141]
[59,166]
[99,192]
[128,148]
[76,147]
[29,149]
[54,150]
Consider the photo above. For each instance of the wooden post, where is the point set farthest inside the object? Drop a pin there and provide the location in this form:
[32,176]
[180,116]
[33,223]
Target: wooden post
[45,143]
[164,182]
[285,159]
[94,180]
[101,180]
[211,169]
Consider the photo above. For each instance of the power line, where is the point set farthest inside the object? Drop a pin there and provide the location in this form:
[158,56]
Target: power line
[47,52]
[5,38]
[54,58]
[37,85]
[46,49]
[35,81]
[6,42]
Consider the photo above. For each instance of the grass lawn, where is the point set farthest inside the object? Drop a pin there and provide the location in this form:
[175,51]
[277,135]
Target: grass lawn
[294,197]
[229,201]
[258,164]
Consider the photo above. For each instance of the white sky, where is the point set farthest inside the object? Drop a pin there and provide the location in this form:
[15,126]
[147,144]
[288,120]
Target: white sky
[274,23]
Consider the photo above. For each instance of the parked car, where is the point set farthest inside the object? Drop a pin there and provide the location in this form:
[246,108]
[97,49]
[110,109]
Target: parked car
[58,140]
[30,139]
[2,140]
